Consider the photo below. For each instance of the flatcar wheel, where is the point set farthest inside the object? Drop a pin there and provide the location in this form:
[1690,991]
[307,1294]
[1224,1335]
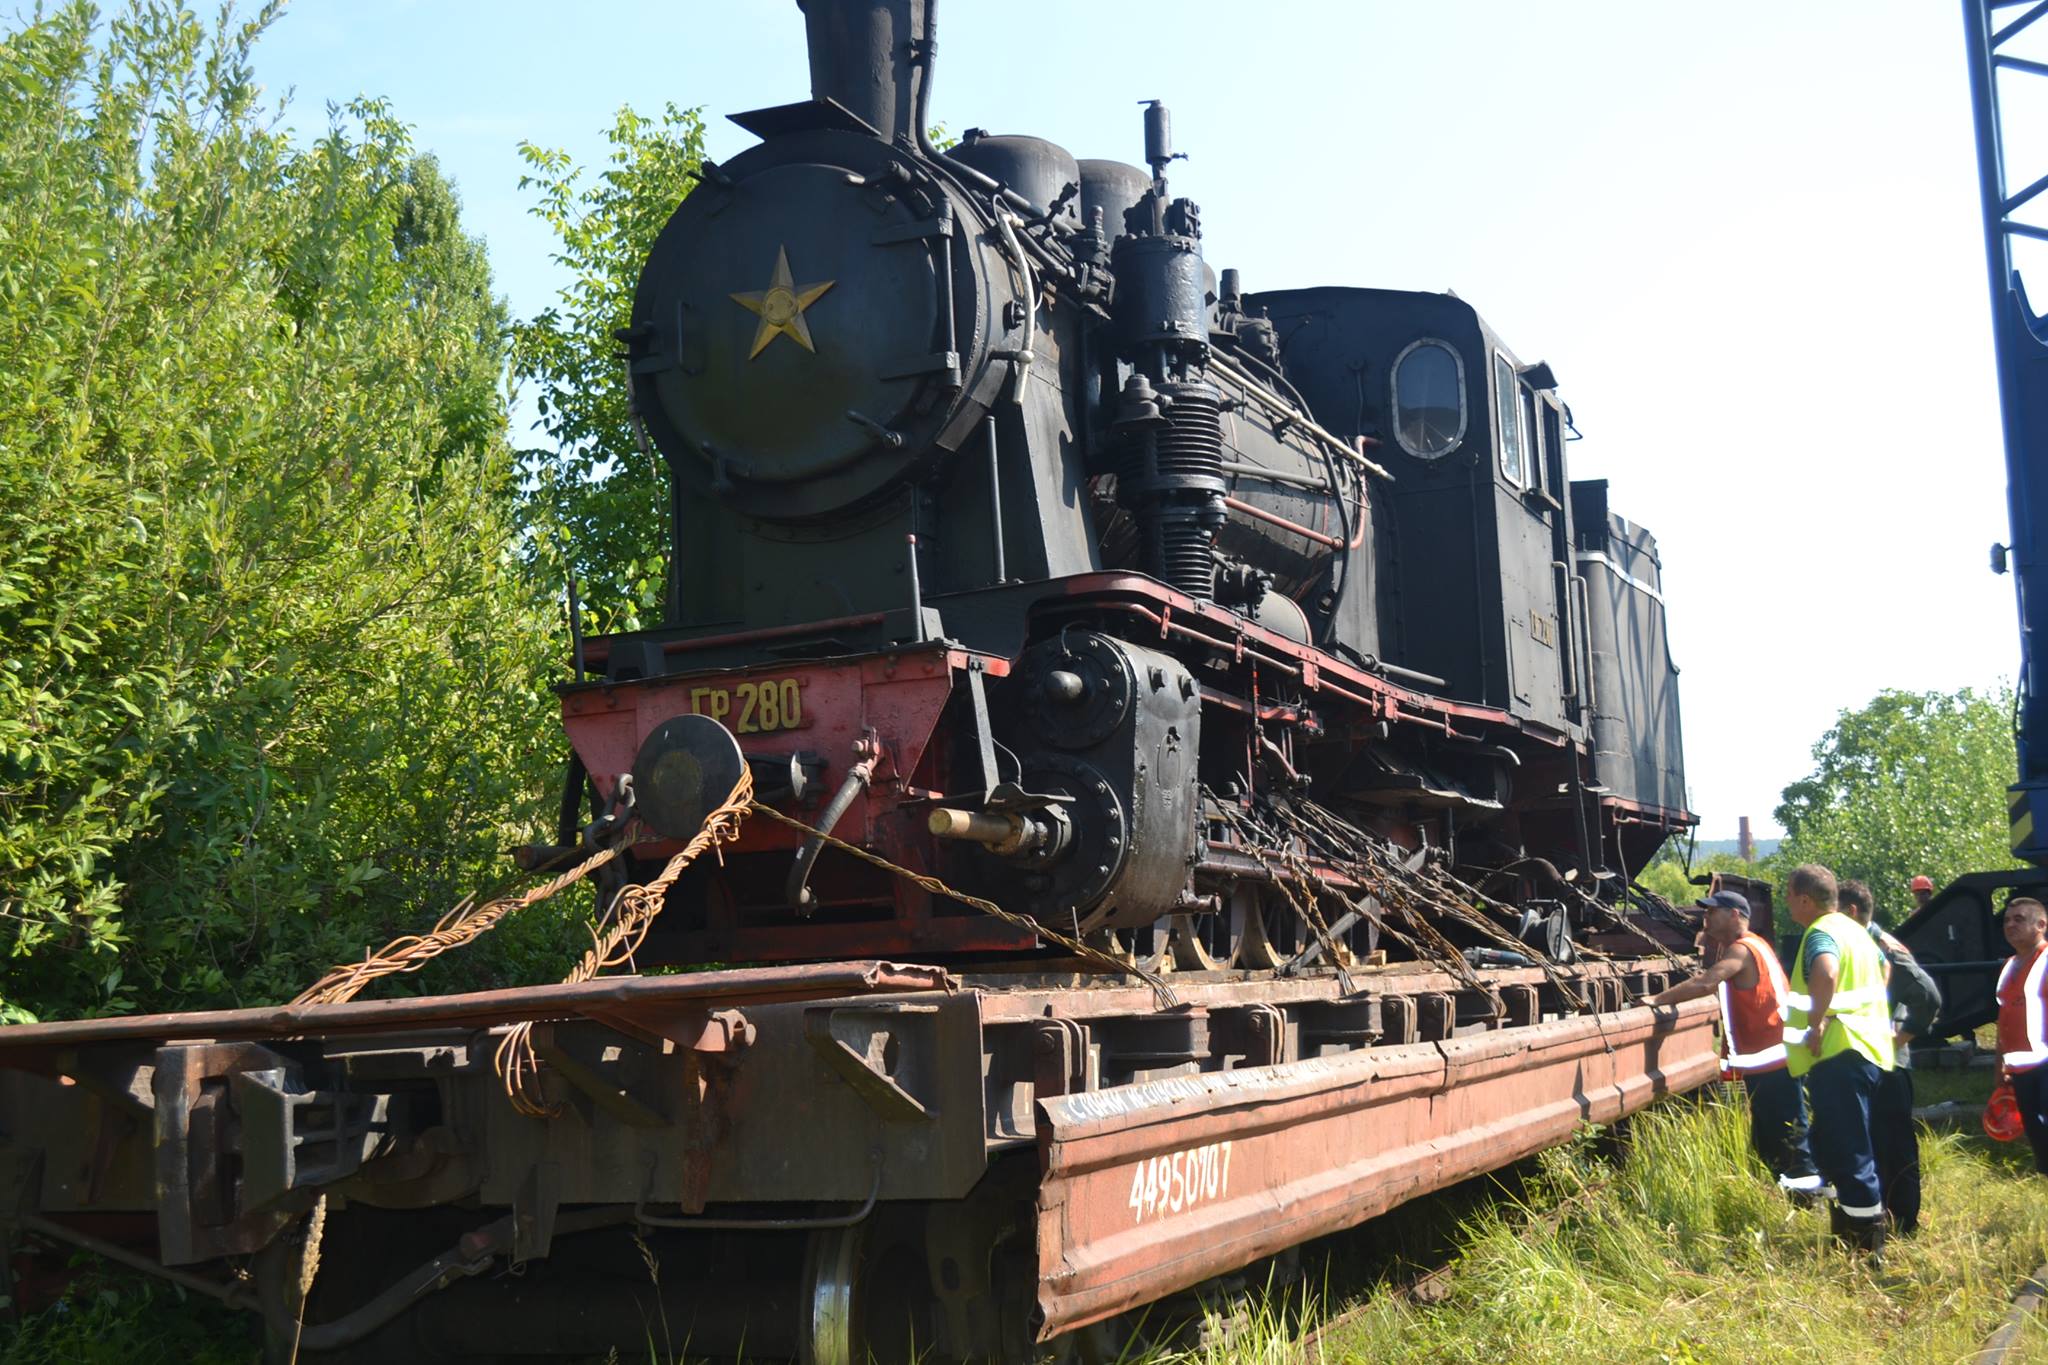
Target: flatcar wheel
[830,1333]
[866,1292]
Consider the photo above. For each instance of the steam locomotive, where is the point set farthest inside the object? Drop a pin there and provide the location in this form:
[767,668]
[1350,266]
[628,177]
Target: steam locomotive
[1015,544]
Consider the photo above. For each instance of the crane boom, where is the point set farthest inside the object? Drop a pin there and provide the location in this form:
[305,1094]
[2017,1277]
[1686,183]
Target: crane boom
[2021,341]
[1957,935]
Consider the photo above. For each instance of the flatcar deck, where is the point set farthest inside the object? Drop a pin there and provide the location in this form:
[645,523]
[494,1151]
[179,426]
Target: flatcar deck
[1132,1151]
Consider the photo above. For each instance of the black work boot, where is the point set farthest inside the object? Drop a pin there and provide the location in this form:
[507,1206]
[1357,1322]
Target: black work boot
[1838,1224]
[1867,1235]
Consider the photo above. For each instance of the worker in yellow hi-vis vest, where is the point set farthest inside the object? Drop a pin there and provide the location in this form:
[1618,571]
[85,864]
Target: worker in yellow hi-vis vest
[1838,1035]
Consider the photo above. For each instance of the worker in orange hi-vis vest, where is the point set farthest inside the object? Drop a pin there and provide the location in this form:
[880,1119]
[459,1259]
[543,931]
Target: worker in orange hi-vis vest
[2023,1019]
[1744,972]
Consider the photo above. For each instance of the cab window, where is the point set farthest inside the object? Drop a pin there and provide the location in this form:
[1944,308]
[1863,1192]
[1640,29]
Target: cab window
[1507,402]
[1429,399]
[1532,439]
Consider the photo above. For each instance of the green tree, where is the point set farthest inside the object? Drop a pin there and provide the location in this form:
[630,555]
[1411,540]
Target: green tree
[1910,783]
[598,497]
[271,672]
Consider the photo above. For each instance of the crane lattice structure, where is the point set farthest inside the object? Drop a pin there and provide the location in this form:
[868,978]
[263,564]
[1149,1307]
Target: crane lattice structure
[2021,340]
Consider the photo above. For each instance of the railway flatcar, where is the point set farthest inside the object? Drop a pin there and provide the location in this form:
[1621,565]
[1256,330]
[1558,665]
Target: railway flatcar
[1171,757]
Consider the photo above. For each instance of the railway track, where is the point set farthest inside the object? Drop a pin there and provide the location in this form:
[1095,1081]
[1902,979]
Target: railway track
[2002,1347]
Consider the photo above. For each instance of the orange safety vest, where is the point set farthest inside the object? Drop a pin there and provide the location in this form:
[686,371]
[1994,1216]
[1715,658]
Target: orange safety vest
[2022,1027]
[1753,1020]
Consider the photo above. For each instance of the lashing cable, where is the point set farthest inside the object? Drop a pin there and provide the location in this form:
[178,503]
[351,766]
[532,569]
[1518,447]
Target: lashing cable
[464,924]
[618,934]
[616,937]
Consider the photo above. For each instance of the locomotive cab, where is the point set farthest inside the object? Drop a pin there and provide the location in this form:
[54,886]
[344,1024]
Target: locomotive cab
[1476,523]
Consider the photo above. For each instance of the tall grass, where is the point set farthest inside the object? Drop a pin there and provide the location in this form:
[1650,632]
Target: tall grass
[1674,1246]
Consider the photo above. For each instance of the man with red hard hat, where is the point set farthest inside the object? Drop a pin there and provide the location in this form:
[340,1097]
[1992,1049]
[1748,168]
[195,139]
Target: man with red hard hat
[1922,888]
[1743,971]
[2023,1019]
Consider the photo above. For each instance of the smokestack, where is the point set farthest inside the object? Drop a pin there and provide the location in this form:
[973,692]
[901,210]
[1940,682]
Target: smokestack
[866,56]
[1745,843]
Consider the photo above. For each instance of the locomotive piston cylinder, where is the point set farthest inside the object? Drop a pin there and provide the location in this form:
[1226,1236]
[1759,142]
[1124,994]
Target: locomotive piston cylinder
[1004,833]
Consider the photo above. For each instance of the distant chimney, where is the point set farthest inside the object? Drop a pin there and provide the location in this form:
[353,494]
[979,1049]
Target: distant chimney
[1745,842]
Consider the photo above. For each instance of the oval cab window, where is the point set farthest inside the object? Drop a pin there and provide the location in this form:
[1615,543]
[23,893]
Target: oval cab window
[1429,400]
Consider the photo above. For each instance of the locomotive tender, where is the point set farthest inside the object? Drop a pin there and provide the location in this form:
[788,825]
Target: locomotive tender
[1256,643]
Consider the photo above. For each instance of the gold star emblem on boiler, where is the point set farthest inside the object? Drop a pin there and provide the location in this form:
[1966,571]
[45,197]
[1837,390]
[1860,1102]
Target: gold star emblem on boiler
[781,306]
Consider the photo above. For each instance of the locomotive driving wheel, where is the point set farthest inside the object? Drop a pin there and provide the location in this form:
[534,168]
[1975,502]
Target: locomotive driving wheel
[1151,946]
[1234,936]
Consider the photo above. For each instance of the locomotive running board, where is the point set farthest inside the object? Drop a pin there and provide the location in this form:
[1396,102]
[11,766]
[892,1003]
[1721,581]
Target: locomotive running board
[1150,1188]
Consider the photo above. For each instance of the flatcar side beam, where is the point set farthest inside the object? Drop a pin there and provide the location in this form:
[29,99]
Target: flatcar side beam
[1150,1188]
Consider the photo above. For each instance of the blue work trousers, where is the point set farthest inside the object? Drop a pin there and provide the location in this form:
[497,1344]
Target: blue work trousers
[1777,1121]
[1844,1090]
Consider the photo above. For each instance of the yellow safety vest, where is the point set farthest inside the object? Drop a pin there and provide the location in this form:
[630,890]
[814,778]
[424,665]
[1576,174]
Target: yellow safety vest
[1859,1015]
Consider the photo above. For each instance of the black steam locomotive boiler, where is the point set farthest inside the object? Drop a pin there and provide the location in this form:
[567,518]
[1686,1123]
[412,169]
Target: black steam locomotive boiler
[1013,542]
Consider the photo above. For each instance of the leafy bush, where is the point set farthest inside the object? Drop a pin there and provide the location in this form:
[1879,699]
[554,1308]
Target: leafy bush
[271,672]
[599,499]
[111,1316]
[1667,873]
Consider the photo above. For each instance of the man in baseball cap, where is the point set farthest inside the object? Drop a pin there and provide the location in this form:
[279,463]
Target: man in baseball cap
[1922,888]
[1743,971]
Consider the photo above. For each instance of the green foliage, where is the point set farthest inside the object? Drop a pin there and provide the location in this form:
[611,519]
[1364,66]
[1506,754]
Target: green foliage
[110,1316]
[1666,875]
[270,671]
[1913,782]
[599,499]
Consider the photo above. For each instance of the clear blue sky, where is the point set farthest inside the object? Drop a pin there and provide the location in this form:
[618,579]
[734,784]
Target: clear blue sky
[1745,236]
